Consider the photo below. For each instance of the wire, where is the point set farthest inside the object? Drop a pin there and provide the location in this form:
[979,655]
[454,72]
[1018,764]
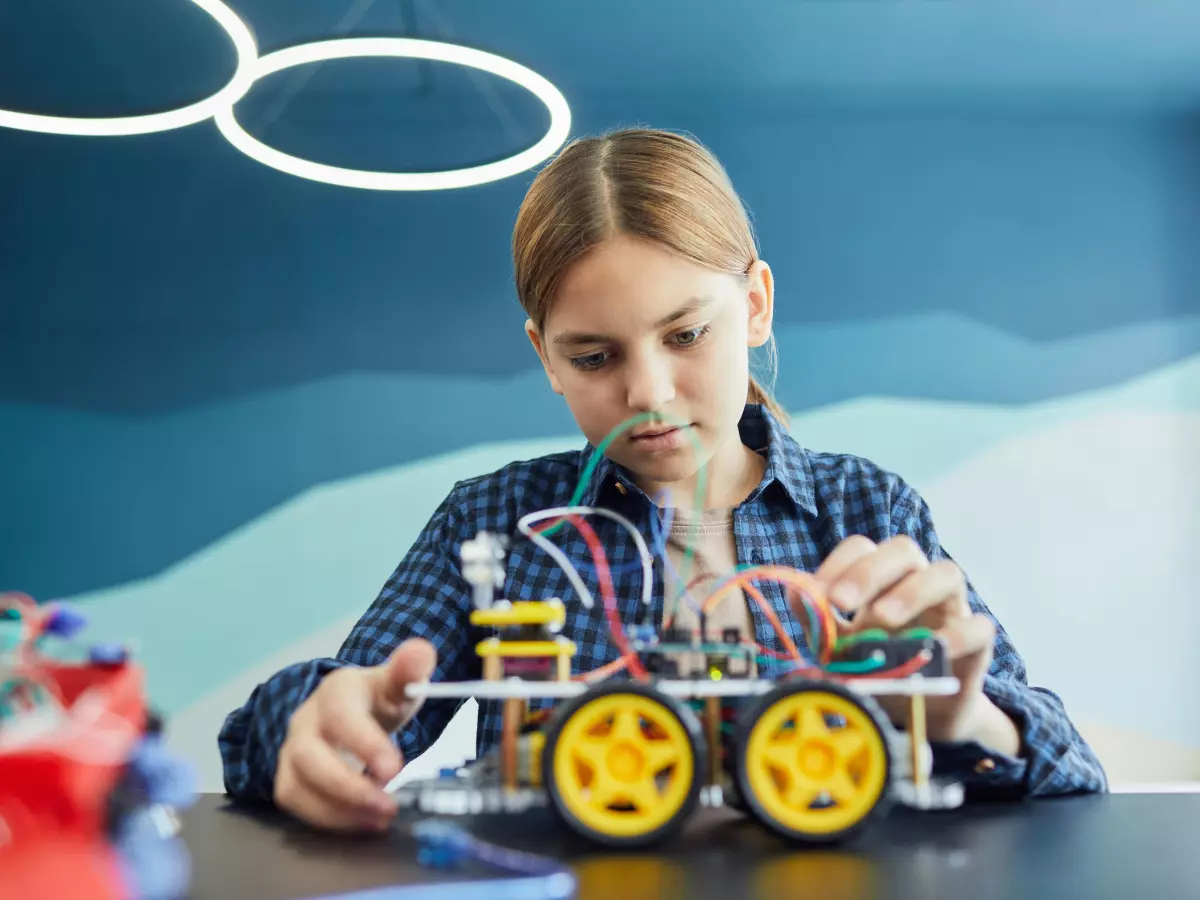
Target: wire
[30,617]
[616,629]
[701,473]
[910,667]
[563,513]
[806,584]
[659,531]
[780,631]
[610,668]
[443,846]
[657,547]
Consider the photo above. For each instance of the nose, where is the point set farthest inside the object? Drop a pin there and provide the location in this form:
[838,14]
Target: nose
[650,383]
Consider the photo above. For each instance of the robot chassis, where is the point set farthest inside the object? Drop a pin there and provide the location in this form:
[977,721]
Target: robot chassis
[625,763]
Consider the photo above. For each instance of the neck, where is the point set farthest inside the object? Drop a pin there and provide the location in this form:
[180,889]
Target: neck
[733,471]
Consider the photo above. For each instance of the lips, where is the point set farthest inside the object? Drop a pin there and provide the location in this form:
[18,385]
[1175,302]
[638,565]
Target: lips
[659,440]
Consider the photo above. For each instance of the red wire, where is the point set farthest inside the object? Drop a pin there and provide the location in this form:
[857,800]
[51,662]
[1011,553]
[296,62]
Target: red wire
[774,654]
[608,594]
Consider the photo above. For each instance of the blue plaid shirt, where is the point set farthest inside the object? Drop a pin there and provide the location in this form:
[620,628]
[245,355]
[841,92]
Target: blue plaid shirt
[804,506]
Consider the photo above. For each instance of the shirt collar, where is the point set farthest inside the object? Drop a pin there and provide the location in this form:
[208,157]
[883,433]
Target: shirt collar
[787,463]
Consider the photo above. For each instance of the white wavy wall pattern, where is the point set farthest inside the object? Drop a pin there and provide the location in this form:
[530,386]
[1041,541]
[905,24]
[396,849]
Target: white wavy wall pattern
[1077,519]
[147,492]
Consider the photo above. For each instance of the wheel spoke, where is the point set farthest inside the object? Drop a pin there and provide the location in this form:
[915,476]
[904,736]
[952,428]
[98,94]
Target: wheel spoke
[846,742]
[811,722]
[801,792]
[590,751]
[841,788]
[604,791]
[627,727]
[781,756]
[642,794]
[659,755]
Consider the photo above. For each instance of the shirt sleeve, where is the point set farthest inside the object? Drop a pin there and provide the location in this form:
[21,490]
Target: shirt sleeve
[424,597]
[1054,758]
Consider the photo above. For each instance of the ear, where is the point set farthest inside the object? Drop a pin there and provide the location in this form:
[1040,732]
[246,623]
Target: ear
[760,292]
[536,340]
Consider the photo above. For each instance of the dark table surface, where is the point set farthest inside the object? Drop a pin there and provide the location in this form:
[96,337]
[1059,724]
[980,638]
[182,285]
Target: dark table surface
[1124,847]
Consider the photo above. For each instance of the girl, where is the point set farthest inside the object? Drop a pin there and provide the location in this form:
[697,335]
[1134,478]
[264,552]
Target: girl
[637,266]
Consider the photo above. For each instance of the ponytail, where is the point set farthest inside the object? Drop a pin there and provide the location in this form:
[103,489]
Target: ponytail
[757,394]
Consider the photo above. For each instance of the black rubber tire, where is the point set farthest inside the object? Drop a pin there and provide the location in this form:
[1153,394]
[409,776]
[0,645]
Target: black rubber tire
[752,804]
[691,727]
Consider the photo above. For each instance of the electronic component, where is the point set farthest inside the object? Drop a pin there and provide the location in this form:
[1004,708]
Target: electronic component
[876,650]
[526,642]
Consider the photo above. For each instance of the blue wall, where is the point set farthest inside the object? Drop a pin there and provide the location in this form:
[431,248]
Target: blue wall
[188,339]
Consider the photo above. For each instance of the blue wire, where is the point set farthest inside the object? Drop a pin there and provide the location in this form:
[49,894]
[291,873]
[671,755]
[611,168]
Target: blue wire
[657,546]
[659,531]
[445,845]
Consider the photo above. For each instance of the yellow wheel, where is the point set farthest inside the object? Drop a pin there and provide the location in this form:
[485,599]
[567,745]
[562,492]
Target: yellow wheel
[814,764]
[622,764]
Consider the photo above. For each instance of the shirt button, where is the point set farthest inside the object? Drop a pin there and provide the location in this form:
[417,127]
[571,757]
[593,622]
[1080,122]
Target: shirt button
[985,765]
[621,489]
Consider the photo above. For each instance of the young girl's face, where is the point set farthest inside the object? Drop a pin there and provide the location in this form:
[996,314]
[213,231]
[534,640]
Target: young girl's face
[637,329]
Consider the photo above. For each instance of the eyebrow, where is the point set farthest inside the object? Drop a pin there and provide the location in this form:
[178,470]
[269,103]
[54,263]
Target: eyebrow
[693,305]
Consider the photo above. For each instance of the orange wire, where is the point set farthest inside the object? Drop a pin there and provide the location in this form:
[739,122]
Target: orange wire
[667,620]
[802,581]
[780,631]
[603,671]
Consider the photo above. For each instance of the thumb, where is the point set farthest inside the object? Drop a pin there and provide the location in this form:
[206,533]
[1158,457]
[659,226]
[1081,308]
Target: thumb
[410,663]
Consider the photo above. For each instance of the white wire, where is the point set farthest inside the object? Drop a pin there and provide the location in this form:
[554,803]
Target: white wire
[568,567]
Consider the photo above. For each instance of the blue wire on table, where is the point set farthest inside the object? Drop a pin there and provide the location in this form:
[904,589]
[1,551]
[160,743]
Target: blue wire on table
[444,845]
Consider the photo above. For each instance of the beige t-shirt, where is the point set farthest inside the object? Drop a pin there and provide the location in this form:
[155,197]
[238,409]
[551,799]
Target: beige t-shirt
[714,557]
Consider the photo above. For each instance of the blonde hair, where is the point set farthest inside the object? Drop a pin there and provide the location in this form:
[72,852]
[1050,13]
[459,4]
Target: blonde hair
[656,185]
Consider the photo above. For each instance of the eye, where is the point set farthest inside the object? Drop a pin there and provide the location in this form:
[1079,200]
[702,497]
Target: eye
[691,337]
[591,361]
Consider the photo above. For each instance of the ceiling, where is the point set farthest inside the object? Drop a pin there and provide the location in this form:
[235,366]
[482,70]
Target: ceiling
[124,56]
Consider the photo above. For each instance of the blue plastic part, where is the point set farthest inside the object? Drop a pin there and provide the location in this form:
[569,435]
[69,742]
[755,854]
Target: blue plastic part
[108,654]
[168,779]
[65,621]
[646,634]
[155,866]
[447,772]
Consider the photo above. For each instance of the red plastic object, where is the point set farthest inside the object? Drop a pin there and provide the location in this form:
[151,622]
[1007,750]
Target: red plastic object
[54,794]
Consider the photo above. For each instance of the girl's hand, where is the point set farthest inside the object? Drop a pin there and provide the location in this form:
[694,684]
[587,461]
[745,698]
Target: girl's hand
[350,717]
[893,586]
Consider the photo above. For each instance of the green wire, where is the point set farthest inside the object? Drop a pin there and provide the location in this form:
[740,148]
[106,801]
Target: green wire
[866,665]
[871,634]
[701,477]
